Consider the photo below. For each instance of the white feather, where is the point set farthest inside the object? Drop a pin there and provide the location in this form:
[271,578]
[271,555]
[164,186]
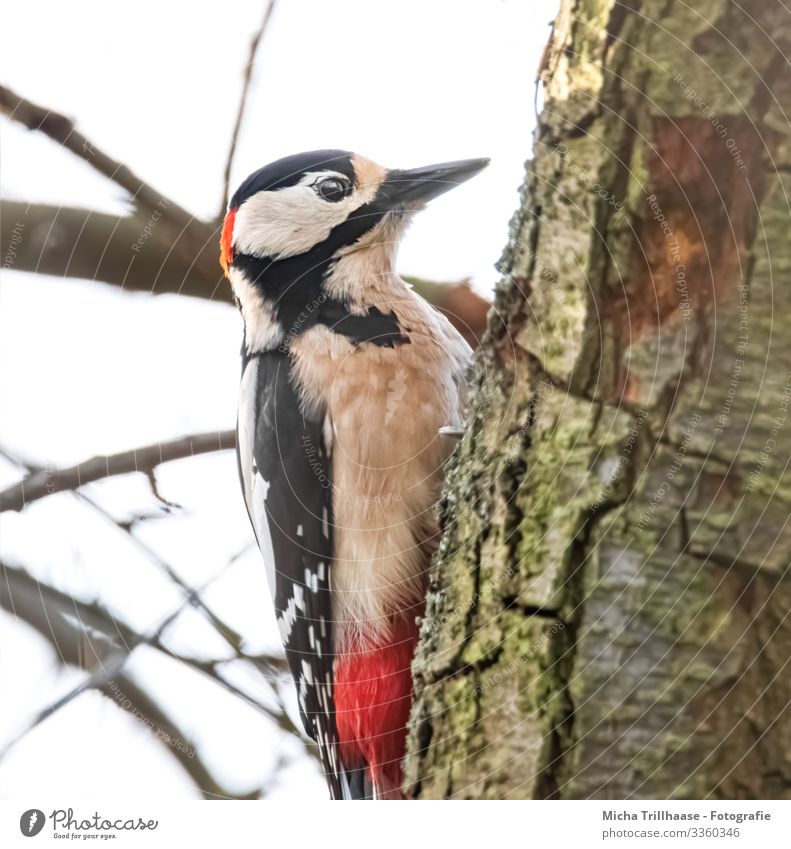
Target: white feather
[262,331]
[254,485]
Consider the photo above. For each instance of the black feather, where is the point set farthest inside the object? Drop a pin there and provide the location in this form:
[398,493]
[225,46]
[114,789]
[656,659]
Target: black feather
[290,455]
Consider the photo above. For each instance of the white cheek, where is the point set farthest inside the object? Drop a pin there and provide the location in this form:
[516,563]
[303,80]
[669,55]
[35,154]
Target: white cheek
[288,222]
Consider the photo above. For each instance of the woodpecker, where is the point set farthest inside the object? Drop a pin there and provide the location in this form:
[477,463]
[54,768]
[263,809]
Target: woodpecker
[350,384]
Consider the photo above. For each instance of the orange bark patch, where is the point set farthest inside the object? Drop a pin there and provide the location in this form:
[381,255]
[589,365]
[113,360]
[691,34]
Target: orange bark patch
[695,227]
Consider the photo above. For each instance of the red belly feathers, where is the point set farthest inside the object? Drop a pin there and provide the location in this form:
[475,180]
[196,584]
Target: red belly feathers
[373,696]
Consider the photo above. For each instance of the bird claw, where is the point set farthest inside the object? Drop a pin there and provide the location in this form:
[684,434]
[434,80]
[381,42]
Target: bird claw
[451,430]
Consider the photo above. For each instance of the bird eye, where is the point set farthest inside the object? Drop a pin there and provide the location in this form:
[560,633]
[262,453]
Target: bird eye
[333,189]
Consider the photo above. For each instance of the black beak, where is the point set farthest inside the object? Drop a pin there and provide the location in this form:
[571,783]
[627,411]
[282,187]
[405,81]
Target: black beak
[420,185]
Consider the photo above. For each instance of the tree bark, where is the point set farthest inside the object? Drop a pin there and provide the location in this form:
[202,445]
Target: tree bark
[608,611]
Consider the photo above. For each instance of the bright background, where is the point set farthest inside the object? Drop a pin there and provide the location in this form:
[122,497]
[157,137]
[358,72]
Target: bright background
[87,369]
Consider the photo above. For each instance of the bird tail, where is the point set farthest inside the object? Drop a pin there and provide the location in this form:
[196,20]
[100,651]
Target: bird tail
[357,784]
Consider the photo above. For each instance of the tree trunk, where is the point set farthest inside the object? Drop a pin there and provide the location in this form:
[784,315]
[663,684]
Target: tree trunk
[608,612]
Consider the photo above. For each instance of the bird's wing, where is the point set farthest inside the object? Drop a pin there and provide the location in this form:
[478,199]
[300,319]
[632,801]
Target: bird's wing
[285,472]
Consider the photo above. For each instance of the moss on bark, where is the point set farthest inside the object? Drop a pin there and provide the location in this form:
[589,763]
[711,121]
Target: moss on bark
[608,609]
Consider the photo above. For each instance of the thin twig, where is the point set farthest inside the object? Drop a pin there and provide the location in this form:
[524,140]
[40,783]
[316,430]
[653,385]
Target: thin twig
[248,75]
[112,666]
[21,586]
[188,237]
[53,613]
[130,696]
[43,482]
[229,635]
[62,130]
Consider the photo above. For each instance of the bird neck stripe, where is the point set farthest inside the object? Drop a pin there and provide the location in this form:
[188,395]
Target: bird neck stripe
[298,305]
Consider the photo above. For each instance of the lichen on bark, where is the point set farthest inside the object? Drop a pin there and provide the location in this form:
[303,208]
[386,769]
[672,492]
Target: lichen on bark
[607,614]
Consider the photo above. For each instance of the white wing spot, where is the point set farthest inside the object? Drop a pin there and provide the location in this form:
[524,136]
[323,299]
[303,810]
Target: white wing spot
[311,580]
[285,622]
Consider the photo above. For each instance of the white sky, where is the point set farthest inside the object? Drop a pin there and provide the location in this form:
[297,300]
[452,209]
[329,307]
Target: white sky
[403,81]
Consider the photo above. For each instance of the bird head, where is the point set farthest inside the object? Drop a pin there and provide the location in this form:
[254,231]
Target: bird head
[326,201]
[290,223]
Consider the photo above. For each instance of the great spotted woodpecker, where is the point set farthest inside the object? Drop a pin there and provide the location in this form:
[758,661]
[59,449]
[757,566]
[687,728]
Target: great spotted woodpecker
[348,377]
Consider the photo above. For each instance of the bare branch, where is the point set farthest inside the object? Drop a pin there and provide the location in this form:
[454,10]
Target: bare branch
[186,234]
[97,678]
[62,130]
[67,622]
[85,634]
[127,694]
[88,245]
[231,637]
[248,75]
[46,482]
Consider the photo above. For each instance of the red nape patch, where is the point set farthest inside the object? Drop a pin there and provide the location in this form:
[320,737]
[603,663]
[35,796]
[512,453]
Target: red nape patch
[226,240]
[373,695]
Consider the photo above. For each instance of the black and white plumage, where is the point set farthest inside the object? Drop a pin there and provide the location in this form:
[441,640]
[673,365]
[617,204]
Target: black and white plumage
[347,379]
[279,448]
